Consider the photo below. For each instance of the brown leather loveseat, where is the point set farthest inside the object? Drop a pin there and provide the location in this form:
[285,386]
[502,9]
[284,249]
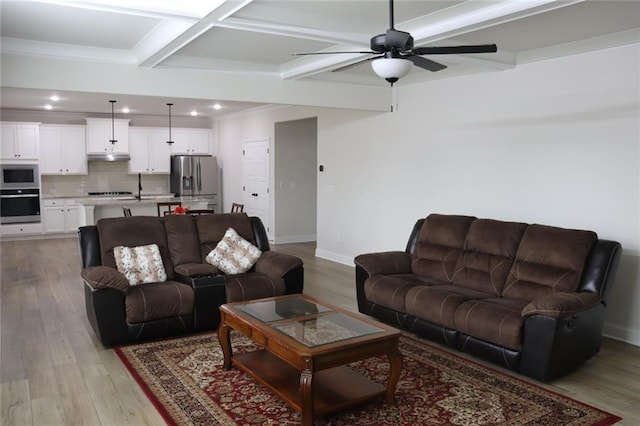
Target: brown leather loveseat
[531,298]
[187,296]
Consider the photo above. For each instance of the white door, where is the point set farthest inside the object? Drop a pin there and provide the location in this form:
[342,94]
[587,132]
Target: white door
[255,180]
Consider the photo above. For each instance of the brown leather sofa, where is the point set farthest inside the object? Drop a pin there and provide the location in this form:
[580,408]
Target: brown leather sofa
[188,300]
[530,298]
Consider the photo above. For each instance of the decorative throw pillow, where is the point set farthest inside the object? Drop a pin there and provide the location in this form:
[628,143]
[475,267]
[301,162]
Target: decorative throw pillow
[141,264]
[233,254]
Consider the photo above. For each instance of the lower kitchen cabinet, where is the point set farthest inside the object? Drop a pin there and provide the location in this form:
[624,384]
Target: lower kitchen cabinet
[17,230]
[61,216]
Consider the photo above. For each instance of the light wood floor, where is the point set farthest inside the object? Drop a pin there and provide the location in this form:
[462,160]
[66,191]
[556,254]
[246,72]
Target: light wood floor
[53,371]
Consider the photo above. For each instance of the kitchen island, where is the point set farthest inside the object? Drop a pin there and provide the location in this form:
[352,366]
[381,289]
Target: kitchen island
[93,209]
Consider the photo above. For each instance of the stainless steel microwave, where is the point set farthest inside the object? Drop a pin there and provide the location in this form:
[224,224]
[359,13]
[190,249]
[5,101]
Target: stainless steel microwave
[19,176]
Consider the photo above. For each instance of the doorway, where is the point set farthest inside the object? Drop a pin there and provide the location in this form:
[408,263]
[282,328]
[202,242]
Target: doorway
[295,180]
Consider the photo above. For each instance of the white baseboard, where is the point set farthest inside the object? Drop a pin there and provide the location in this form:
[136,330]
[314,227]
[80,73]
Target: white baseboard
[345,260]
[615,331]
[294,239]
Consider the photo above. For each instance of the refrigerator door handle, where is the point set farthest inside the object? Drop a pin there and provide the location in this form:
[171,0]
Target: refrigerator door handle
[199,178]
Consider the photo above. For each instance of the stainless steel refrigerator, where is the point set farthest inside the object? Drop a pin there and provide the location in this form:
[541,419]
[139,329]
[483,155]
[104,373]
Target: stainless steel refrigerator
[196,176]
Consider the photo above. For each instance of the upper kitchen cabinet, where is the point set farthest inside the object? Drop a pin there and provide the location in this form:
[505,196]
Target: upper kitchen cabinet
[99,134]
[63,150]
[190,141]
[20,141]
[150,153]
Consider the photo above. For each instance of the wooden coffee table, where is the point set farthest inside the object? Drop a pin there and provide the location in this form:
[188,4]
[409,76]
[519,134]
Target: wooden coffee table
[305,346]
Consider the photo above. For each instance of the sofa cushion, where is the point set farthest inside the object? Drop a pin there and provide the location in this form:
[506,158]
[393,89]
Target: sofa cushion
[390,290]
[487,255]
[497,321]
[212,227]
[548,260]
[253,285]
[158,301]
[438,304]
[438,245]
[182,239]
[133,232]
[233,254]
[140,265]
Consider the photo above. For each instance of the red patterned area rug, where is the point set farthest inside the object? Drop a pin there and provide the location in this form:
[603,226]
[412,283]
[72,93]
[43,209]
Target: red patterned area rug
[184,379]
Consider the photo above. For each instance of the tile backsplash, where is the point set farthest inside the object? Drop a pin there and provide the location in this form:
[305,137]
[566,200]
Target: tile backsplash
[103,176]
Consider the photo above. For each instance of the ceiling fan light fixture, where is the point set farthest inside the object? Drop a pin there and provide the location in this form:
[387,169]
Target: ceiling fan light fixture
[391,69]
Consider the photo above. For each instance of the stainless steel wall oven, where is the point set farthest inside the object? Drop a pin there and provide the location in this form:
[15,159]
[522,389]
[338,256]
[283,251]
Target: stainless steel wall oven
[19,193]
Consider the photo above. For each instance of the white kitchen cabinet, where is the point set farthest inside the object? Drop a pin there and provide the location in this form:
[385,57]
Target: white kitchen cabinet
[61,215]
[99,134]
[18,230]
[150,153]
[20,141]
[63,150]
[190,141]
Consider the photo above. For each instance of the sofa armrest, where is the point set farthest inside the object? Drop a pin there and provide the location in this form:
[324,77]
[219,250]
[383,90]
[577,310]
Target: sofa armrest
[561,305]
[195,269]
[389,262]
[98,277]
[276,264]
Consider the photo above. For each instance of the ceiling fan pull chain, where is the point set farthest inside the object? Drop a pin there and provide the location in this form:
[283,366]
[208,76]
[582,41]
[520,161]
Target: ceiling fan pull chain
[394,98]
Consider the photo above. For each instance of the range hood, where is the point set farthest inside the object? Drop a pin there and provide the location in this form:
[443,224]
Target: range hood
[109,156]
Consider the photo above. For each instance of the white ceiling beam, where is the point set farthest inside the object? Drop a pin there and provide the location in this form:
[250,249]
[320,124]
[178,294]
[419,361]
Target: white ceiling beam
[72,52]
[158,45]
[161,9]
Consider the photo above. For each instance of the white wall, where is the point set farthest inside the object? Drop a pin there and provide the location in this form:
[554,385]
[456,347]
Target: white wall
[554,142]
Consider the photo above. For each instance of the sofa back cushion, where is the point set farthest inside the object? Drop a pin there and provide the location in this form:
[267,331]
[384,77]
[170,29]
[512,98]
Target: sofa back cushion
[487,255]
[549,260]
[438,246]
[133,231]
[182,238]
[212,227]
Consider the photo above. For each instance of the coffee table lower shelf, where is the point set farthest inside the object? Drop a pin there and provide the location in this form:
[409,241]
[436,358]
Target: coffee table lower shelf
[334,389]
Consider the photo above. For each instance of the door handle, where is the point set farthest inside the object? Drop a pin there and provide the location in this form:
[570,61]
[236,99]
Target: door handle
[255,194]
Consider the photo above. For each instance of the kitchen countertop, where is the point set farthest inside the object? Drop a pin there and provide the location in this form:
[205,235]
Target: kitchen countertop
[94,197]
[130,200]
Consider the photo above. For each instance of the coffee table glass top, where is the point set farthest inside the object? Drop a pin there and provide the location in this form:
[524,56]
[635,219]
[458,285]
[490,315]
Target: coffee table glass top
[308,322]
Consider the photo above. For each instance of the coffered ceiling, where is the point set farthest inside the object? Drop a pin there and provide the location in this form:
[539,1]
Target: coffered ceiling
[256,39]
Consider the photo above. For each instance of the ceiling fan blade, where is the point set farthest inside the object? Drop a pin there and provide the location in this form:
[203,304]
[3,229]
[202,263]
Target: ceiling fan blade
[330,53]
[346,67]
[398,39]
[425,63]
[447,50]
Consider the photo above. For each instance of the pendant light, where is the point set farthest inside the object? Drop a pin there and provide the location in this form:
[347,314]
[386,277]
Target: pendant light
[170,141]
[113,139]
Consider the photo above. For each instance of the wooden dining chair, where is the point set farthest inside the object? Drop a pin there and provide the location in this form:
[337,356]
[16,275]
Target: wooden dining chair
[165,208]
[237,208]
[201,211]
[126,211]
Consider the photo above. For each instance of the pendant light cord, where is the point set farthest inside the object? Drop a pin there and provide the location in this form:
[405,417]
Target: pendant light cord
[170,141]
[113,139]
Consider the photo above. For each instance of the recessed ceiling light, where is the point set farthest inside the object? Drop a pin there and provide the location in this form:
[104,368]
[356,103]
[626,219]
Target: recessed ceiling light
[194,113]
[125,110]
[217,106]
[55,98]
[47,106]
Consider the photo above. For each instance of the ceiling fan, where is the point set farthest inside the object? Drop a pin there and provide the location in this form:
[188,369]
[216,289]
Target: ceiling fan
[395,54]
